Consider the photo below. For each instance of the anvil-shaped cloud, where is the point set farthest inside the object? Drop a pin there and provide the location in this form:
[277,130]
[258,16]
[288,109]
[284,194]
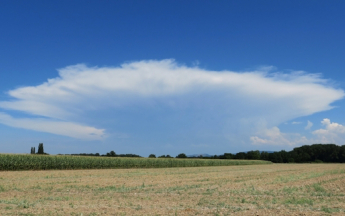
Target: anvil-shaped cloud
[233,102]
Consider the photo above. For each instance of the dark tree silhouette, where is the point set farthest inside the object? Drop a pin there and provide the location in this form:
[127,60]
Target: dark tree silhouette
[182,155]
[316,153]
[40,149]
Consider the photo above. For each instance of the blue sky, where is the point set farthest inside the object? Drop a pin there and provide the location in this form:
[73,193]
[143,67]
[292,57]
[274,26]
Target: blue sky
[167,77]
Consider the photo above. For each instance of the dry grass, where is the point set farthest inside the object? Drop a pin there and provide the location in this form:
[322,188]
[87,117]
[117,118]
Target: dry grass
[277,189]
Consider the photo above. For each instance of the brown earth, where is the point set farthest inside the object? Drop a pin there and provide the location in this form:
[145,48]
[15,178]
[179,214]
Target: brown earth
[277,189]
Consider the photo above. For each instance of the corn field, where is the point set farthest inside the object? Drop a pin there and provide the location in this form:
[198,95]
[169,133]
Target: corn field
[49,162]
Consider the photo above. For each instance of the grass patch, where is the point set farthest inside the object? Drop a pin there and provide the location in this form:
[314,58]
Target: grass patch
[2,189]
[318,188]
[299,201]
[290,190]
[121,189]
[329,210]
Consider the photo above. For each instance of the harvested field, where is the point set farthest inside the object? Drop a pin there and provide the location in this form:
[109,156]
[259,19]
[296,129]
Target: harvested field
[273,189]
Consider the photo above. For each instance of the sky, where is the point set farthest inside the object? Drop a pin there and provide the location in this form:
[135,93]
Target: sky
[170,77]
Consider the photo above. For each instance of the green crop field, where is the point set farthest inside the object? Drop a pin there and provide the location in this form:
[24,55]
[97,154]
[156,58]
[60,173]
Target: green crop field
[48,162]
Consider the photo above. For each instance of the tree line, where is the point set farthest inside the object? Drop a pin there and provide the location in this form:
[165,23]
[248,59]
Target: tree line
[329,153]
[113,154]
[108,154]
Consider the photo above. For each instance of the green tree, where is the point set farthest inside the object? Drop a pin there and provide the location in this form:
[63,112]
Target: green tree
[40,149]
[264,156]
[182,155]
[253,155]
[228,155]
[241,155]
[152,156]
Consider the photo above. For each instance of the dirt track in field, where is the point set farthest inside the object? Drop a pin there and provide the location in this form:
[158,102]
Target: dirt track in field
[277,189]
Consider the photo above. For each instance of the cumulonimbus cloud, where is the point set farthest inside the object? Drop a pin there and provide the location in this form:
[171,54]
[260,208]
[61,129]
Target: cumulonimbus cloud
[241,100]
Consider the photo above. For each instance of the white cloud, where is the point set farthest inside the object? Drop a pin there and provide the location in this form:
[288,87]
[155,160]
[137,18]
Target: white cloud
[309,125]
[274,136]
[242,102]
[56,127]
[333,132]
[296,123]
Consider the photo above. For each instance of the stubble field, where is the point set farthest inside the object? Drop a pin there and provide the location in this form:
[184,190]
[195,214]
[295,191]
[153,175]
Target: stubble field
[275,189]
